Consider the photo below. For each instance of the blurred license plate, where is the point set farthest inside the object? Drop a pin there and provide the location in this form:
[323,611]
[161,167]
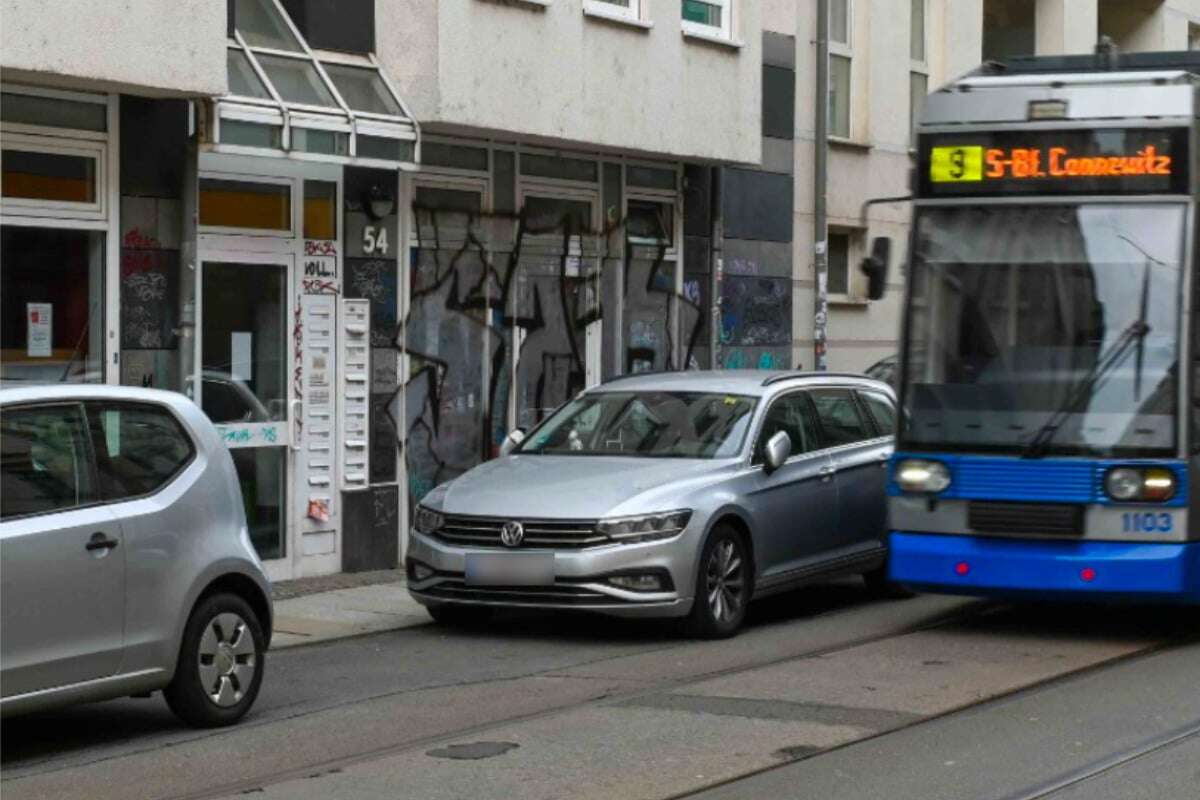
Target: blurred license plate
[510,569]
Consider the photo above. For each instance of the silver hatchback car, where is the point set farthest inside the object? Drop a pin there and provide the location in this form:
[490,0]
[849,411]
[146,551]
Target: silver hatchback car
[125,563]
[674,495]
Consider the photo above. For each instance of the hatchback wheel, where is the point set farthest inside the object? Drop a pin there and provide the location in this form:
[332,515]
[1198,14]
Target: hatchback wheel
[722,586]
[220,665]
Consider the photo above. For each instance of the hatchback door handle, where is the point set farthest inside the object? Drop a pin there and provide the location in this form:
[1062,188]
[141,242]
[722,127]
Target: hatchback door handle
[101,542]
[827,472]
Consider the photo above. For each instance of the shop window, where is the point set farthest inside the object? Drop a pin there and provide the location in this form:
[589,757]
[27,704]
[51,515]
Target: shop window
[53,177]
[650,177]
[27,109]
[245,204]
[567,169]
[649,222]
[708,17]
[320,210]
[53,305]
[557,215]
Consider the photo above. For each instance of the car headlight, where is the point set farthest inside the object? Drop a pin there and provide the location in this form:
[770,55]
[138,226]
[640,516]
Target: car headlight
[919,475]
[426,520]
[647,528]
[1136,484]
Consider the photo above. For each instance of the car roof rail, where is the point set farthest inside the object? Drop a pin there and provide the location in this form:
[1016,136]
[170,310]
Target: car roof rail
[809,374]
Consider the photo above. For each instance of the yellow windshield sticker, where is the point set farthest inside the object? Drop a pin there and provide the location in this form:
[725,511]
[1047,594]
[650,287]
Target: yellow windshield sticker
[956,164]
[731,401]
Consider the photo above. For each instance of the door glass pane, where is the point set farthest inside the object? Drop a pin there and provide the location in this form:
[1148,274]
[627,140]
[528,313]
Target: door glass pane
[261,475]
[139,448]
[245,204]
[52,320]
[840,420]
[44,464]
[320,210]
[792,416]
[261,25]
[296,80]
[54,177]
[244,342]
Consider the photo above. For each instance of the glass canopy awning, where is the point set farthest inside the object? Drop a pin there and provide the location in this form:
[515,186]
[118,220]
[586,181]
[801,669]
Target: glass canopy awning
[287,99]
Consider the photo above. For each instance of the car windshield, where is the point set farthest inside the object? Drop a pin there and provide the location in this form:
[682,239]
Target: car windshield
[1044,329]
[646,424]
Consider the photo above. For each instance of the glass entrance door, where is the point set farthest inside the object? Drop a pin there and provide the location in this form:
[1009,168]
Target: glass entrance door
[242,383]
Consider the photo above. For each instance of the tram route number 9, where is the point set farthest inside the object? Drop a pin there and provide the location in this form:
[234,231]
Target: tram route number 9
[1147,522]
[375,240]
[956,164]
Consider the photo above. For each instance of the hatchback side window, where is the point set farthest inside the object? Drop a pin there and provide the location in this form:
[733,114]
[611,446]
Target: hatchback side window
[139,447]
[45,464]
[882,411]
[840,418]
[792,415]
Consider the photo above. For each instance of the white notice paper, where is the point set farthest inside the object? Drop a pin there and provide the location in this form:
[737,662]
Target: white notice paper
[241,355]
[38,318]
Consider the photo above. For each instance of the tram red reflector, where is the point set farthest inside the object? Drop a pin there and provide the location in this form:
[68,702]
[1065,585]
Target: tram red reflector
[962,568]
[1087,574]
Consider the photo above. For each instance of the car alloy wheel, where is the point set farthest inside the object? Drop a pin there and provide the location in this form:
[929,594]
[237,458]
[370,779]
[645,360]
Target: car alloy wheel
[227,659]
[725,582]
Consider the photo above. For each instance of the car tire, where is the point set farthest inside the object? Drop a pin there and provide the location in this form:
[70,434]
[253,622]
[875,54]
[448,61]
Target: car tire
[878,585]
[455,616]
[221,663]
[723,586]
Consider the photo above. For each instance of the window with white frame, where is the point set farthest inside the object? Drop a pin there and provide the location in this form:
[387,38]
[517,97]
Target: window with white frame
[843,245]
[708,17]
[841,59]
[285,96]
[918,74]
[628,10]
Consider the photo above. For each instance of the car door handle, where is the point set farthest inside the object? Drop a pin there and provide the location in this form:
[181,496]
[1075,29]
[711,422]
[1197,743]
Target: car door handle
[827,472]
[101,542]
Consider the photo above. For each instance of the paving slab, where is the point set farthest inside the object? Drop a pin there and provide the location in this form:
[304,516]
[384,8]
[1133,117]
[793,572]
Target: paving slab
[340,613]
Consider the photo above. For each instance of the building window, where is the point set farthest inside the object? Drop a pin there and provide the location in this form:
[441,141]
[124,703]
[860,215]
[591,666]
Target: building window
[650,222]
[918,76]
[708,17]
[1193,36]
[620,9]
[841,58]
[257,205]
[839,286]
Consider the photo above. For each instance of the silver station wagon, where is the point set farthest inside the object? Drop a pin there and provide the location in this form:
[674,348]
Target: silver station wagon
[125,563]
[667,495]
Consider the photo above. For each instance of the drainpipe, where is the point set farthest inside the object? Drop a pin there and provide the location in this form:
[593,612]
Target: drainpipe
[820,184]
[717,266]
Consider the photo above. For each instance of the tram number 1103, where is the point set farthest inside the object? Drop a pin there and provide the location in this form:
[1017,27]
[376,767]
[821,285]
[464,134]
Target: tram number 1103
[1147,522]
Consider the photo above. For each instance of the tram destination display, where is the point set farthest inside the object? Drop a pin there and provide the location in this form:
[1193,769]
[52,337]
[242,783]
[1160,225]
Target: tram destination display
[1102,161]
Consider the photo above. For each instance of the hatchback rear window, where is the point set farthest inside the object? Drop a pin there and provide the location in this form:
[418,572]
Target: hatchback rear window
[139,448]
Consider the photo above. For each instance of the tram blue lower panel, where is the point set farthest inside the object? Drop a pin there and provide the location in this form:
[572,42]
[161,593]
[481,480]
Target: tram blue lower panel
[975,565]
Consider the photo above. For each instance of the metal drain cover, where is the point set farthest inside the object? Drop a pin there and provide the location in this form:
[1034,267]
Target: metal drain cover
[473,751]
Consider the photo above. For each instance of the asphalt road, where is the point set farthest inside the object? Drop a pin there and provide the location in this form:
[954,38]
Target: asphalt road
[547,707]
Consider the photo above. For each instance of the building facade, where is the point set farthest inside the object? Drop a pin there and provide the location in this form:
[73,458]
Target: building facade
[367,237]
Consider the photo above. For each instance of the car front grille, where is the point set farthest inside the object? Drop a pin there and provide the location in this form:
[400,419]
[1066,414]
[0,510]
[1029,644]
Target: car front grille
[558,594]
[572,534]
[1025,518]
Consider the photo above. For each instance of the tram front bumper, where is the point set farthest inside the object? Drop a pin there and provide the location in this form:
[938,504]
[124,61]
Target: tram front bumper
[1043,568]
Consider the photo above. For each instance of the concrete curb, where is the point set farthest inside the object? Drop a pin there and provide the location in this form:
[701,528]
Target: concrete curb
[343,613]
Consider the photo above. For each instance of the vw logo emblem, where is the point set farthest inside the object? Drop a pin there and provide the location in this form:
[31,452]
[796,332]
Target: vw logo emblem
[512,534]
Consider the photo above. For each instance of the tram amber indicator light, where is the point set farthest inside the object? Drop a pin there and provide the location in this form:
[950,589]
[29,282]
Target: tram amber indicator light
[1101,161]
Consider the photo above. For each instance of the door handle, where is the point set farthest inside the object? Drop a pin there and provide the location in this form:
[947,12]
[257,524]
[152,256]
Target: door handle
[100,542]
[827,472]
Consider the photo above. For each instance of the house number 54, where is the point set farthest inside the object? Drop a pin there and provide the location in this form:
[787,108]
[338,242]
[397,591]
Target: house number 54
[374,240]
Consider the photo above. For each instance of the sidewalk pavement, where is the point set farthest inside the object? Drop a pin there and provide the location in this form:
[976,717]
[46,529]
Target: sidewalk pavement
[337,606]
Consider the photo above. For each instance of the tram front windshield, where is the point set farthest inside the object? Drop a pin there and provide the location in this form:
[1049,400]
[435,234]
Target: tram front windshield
[1044,329]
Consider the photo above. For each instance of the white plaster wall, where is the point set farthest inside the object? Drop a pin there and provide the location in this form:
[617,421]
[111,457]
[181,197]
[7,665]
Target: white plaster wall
[152,47]
[551,73]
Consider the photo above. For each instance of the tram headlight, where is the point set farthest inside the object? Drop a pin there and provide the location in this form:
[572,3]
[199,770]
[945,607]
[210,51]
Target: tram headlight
[1136,484]
[919,475]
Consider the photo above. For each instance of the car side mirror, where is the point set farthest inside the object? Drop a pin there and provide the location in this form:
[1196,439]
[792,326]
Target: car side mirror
[512,441]
[779,447]
[875,267]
